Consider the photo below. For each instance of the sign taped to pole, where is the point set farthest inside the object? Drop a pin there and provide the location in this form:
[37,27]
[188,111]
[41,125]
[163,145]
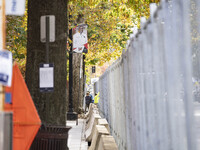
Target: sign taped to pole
[80,41]
[5,67]
[15,7]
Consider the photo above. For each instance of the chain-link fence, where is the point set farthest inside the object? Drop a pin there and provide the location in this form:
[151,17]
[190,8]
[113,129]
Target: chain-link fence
[150,96]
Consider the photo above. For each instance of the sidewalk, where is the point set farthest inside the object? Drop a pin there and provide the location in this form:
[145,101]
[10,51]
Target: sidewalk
[76,139]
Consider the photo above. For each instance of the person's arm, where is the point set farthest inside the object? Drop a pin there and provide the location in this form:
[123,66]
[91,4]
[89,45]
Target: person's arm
[90,99]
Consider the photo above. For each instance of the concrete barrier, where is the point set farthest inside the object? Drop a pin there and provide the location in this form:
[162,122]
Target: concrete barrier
[91,119]
[90,127]
[89,111]
[99,130]
[107,142]
[104,122]
[92,109]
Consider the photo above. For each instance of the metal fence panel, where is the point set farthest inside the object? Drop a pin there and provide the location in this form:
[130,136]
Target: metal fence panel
[195,44]
[148,95]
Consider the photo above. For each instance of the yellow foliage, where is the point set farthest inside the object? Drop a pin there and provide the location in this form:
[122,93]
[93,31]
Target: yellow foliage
[110,23]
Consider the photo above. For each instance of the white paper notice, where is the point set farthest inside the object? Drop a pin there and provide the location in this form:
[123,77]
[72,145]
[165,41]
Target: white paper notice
[15,7]
[46,77]
[5,67]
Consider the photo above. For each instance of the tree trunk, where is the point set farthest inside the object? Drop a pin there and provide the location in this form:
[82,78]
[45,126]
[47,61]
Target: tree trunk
[51,106]
[77,86]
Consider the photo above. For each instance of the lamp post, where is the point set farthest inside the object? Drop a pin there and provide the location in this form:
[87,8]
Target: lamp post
[71,115]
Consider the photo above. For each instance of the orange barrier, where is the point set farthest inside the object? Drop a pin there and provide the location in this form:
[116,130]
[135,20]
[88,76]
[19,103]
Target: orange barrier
[25,117]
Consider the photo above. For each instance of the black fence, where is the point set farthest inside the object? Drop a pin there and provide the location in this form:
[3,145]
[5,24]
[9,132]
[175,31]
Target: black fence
[51,138]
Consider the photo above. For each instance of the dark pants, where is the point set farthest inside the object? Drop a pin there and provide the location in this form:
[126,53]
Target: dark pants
[87,106]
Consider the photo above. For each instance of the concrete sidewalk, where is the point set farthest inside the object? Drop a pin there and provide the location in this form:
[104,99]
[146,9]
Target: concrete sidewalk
[76,139]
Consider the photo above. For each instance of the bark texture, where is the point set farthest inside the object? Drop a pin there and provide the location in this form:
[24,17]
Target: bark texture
[51,106]
[77,82]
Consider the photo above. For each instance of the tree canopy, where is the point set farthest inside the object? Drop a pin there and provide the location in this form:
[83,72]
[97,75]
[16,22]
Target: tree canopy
[110,23]
[17,38]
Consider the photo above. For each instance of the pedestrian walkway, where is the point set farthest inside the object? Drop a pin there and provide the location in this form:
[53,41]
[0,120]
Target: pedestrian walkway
[76,139]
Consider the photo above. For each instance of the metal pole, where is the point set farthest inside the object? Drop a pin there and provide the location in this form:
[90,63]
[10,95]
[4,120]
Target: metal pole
[47,61]
[84,81]
[70,74]
[84,72]
[71,115]
[47,39]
